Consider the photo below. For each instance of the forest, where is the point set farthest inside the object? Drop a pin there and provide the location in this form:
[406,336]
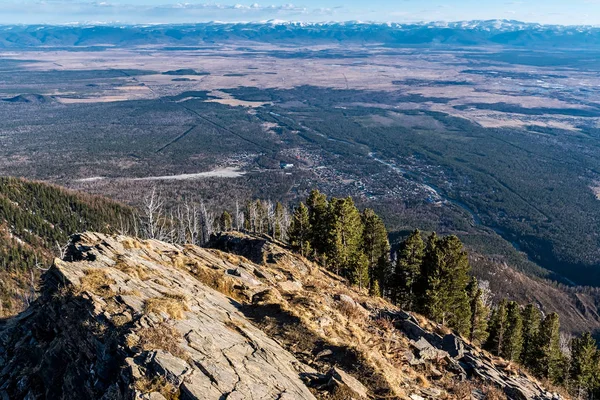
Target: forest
[36,221]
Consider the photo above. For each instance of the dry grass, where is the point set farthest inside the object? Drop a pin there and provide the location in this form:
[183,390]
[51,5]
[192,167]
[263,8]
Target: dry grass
[98,282]
[175,308]
[493,393]
[129,244]
[136,270]
[162,336]
[352,312]
[157,385]
[218,281]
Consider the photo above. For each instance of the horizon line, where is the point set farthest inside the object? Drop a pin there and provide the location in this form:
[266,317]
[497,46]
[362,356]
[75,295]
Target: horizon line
[281,22]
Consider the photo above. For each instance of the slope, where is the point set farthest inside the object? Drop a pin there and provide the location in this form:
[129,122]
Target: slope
[125,318]
[36,220]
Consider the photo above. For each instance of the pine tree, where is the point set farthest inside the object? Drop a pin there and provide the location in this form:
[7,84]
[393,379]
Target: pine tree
[225,221]
[548,354]
[408,268]
[345,239]
[584,367]
[376,248]
[497,328]
[479,313]
[445,273]
[300,232]
[513,338]
[531,325]
[427,282]
[359,270]
[318,210]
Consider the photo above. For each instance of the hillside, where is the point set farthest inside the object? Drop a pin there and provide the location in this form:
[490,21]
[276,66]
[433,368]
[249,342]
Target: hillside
[36,220]
[121,318]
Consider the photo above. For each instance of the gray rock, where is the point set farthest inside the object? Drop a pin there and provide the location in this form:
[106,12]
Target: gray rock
[453,345]
[205,346]
[339,377]
[172,368]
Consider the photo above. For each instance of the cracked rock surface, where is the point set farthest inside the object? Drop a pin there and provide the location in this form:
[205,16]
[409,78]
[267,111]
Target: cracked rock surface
[123,319]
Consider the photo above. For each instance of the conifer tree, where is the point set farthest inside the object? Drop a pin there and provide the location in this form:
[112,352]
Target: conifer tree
[497,330]
[513,338]
[479,313]
[427,282]
[318,210]
[446,268]
[300,232]
[548,354]
[358,271]
[584,364]
[408,268]
[531,325]
[225,221]
[345,240]
[376,248]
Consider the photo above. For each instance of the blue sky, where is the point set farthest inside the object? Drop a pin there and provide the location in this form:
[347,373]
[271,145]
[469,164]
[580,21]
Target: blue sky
[565,12]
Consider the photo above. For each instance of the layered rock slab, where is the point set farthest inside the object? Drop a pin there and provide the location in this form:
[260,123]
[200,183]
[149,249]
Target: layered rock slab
[122,318]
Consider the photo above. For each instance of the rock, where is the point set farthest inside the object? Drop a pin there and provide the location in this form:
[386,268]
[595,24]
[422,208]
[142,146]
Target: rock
[426,351]
[412,329]
[290,286]
[323,353]
[432,392]
[453,345]
[206,347]
[416,397]
[170,367]
[339,377]
[244,277]
[344,298]
[156,396]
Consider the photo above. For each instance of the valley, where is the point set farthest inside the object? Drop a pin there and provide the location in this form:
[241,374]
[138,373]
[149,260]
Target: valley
[484,140]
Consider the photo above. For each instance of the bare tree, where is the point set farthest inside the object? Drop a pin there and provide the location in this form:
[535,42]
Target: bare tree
[153,219]
[237,215]
[207,222]
[270,217]
[192,223]
[486,293]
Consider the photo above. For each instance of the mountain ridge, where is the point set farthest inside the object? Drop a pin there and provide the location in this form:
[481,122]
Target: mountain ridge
[462,33]
[122,317]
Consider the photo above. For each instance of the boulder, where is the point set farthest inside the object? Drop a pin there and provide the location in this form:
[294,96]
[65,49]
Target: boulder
[453,345]
[337,377]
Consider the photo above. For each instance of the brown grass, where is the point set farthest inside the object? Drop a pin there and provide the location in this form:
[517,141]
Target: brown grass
[163,337]
[159,385]
[129,244]
[218,281]
[136,270]
[175,308]
[97,281]
[352,312]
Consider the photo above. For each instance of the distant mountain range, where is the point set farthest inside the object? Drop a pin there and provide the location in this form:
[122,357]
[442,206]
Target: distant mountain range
[467,33]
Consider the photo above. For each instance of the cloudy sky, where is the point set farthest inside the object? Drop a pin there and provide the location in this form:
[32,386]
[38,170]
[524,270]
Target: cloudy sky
[168,11]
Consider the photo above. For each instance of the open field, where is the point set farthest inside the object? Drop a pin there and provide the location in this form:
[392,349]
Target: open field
[458,140]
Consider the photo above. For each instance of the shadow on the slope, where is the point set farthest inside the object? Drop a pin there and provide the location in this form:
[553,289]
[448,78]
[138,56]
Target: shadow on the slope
[312,350]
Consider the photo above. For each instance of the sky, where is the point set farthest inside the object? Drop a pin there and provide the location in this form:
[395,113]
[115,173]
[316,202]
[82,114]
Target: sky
[562,12]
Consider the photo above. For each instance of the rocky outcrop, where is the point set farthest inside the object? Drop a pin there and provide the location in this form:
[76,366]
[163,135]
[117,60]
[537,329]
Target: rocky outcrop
[121,318]
[466,361]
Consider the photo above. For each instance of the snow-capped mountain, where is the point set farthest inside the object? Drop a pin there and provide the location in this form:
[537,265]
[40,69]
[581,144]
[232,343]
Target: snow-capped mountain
[462,33]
